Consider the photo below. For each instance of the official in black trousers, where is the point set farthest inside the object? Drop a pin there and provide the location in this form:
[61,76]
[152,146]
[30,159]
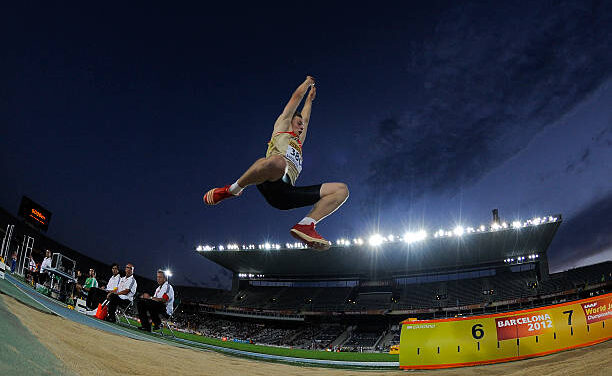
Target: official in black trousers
[160,304]
[124,294]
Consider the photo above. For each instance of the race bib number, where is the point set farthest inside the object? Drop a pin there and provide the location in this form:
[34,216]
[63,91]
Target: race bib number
[294,157]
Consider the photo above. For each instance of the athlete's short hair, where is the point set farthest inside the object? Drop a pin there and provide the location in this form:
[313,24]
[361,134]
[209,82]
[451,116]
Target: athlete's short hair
[297,113]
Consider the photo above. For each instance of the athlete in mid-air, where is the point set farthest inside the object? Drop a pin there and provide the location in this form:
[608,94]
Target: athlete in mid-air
[275,175]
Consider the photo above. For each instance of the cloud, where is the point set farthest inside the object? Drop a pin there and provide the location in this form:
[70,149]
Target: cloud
[493,79]
[584,237]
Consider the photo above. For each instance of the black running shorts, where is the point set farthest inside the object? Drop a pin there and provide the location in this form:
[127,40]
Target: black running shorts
[285,196]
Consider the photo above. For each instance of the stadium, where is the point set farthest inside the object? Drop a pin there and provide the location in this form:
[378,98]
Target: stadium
[359,304]
[443,165]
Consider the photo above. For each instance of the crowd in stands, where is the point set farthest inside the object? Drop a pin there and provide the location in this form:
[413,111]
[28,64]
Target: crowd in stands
[483,291]
[312,336]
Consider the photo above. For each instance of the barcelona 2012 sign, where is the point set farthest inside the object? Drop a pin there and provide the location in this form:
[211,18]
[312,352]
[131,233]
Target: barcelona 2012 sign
[501,337]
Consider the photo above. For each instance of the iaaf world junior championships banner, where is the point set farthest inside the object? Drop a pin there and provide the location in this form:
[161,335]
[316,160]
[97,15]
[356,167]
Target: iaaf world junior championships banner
[598,310]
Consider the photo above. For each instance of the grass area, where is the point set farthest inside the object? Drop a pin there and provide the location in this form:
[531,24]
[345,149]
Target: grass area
[282,351]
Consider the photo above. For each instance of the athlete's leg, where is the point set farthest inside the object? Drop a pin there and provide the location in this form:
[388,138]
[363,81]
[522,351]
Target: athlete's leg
[264,169]
[333,195]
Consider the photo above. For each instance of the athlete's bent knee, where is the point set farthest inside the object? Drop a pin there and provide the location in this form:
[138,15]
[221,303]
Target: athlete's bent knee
[343,190]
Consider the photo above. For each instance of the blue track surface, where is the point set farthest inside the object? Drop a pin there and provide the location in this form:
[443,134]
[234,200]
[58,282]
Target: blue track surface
[39,300]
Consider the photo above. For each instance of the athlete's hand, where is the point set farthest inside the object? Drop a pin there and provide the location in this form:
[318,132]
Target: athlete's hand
[310,81]
[313,93]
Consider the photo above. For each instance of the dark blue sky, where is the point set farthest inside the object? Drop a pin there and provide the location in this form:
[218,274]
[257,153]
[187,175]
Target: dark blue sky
[117,117]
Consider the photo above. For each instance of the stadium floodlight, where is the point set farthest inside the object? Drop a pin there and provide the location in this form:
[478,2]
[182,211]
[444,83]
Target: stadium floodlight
[168,273]
[516,224]
[343,242]
[458,231]
[412,237]
[376,240]
[390,238]
[504,225]
[481,228]
[221,248]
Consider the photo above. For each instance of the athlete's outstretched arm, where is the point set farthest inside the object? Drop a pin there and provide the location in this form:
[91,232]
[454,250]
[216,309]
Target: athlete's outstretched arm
[296,98]
[306,111]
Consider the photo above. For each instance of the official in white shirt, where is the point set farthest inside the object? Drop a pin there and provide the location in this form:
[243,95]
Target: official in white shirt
[162,303]
[46,264]
[43,276]
[97,295]
[124,294]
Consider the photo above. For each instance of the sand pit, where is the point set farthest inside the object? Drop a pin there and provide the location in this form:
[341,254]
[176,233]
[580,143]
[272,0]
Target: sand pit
[89,351]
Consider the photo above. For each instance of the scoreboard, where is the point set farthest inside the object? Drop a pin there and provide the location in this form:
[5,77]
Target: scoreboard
[502,337]
[34,214]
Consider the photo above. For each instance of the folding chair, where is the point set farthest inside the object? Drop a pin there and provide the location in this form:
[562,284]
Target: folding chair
[165,322]
[123,312]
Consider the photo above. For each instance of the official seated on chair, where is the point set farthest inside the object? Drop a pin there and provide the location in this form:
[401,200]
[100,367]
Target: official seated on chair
[97,295]
[161,303]
[124,294]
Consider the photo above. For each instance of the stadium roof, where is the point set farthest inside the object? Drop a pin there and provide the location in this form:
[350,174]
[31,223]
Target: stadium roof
[391,258]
